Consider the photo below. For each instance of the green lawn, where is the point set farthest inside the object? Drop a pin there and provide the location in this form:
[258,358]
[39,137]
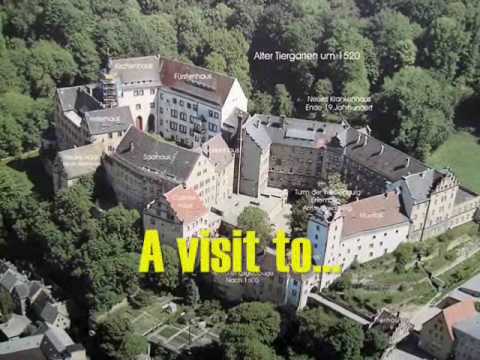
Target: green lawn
[31,164]
[461,152]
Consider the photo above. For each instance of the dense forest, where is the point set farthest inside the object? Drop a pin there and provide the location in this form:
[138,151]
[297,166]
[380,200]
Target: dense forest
[419,61]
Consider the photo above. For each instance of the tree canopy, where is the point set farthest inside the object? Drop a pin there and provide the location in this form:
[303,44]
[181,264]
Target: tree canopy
[255,219]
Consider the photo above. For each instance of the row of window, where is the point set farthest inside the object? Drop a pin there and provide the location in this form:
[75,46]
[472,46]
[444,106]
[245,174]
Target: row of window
[139,106]
[194,107]
[119,133]
[174,126]
[140,92]
[182,103]
[183,128]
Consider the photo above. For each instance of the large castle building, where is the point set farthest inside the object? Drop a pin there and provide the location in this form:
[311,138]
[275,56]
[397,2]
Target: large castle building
[177,144]
[399,198]
[181,102]
[144,167]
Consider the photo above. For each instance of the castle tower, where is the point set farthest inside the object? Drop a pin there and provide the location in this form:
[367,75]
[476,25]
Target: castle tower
[109,91]
[324,231]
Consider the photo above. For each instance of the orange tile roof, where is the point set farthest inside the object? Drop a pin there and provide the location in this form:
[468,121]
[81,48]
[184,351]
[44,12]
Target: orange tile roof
[214,87]
[457,312]
[186,203]
[372,213]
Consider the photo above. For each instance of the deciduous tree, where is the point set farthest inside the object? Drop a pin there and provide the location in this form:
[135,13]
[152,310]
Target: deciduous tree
[346,338]
[282,101]
[255,219]
[414,110]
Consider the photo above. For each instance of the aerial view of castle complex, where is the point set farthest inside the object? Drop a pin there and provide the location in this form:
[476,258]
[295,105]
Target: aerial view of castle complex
[240,180]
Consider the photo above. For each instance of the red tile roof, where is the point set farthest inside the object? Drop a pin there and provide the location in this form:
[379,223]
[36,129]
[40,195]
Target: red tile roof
[458,312]
[205,84]
[372,213]
[186,203]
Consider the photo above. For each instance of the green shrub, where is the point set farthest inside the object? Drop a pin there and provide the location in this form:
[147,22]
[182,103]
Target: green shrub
[443,238]
[404,253]
[473,231]
[450,256]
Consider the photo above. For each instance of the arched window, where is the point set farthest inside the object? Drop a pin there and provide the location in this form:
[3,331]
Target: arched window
[151,123]
[139,123]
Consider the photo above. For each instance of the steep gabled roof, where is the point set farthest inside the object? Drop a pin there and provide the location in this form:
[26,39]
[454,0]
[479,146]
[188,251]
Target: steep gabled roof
[189,79]
[49,313]
[156,155]
[455,313]
[203,84]
[217,151]
[258,134]
[135,70]
[389,162]
[186,203]
[80,161]
[41,302]
[421,184]
[15,326]
[22,348]
[21,290]
[108,120]
[56,337]
[77,98]
[10,278]
[372,213]
[458,312]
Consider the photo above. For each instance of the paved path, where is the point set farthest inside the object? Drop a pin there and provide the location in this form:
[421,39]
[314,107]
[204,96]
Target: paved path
[339,309]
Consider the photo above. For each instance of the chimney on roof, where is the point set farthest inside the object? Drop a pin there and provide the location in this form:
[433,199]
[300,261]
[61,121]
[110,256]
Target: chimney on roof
[282,121]
[365,142]
[382,148]
[407,163]
[131,146]
[369,131]
[422,174]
